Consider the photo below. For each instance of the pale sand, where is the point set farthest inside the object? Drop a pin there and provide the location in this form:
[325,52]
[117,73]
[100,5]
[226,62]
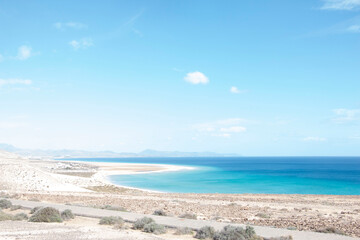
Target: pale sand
[80,183]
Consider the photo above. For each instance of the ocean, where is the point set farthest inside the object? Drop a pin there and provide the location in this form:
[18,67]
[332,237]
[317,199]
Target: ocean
[277,175]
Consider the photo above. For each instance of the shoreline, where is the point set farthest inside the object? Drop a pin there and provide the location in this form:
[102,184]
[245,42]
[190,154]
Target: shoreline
[107,169]
[86,184]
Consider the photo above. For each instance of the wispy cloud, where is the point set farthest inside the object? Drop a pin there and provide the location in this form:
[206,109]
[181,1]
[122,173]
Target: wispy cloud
[15,81]
[196,78]
[82,43]
[72,25]
[222,128]
[348,26]
[314,139]
[234,129]
[346,115]
[133,19]
[24,52]
[354,29]
[131,22]
[236,90]
[1,58]
[177,69]
[341,4]
[137,32]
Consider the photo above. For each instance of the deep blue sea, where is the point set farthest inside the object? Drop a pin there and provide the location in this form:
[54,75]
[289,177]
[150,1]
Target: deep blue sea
[288,175]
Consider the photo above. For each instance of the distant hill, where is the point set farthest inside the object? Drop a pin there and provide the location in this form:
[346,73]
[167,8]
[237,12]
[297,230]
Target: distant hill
[66,153]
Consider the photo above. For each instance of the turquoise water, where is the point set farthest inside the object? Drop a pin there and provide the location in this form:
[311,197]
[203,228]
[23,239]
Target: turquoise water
[288,175]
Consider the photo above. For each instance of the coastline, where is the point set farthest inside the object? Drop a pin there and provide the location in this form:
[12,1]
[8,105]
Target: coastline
[84,184]
[107,169]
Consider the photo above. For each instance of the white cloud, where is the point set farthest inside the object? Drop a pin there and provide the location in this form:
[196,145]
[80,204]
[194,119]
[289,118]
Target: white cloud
[24,52]
[232,121]
[81,44]
[346,115]
[234,129]
[196,78]
[236,90]
[1,58]
[73,25]
[354,29]
[222,128]
[14,81]
[226,135]
[341,4]
[314,139]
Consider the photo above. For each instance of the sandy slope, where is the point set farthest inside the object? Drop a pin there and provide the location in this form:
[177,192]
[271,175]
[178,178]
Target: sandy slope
[17,174]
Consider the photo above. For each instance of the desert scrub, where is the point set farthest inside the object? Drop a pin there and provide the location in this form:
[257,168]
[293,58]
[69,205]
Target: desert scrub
[4,204]
[159,213]
[34,200]
[112,221]
[154,228]
[188,216]
[15,207]
[330,230]
[140,223]
[5,217]
[114,208]
[231,232]
[20,217]
[262,215]
[280,238]
[33,210]
[47,214]
[67,215]
[183,231]
[205,232]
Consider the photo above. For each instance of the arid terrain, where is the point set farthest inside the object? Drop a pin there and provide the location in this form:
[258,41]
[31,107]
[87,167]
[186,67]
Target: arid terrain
[85,185]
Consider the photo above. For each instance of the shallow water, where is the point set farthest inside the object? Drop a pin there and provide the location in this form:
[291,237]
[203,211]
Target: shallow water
[288,175]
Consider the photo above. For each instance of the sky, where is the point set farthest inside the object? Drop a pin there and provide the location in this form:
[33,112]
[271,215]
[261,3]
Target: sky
[256,78]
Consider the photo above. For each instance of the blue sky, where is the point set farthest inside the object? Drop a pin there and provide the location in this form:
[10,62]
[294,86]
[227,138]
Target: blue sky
[250,77]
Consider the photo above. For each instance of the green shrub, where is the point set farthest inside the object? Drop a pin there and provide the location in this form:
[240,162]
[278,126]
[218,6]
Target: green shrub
[5,217]
[34,200]
[159,213]
[280,238]
[188,216]
[67,215]
[183,231]
[154,228]
[262,215]
[205,232]
[231,233]
[111,221]
[15,207]
[330,230]
[32,211]
[114,208]
[140,223]
[20,217]
[47,214]
[5,204]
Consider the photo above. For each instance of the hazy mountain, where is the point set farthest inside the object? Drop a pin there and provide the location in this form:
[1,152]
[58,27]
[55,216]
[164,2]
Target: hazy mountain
[66,153]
